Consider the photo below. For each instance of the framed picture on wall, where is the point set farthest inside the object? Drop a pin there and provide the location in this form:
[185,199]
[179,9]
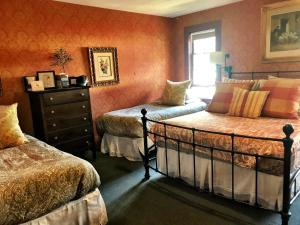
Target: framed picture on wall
[281,32]
[103,66]
[48,78]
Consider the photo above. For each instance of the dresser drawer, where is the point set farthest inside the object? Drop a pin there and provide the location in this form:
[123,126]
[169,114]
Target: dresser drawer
[65,97]
[77,147]
[69,134]
[57,123]
[71,109]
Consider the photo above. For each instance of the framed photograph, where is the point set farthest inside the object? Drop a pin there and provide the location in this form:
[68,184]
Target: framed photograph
[103,66]
[73,81]
[48,78]
[37,85]
[281,32]
[28,81]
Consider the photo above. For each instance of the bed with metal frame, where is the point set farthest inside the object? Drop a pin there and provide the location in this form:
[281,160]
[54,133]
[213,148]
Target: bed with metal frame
[289,181]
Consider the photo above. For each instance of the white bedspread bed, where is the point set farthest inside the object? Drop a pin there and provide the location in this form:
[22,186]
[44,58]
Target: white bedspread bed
[127,147]
[269,186]
[88,210]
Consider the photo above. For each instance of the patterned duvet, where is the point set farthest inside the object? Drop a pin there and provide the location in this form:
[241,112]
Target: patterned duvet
[36,178]
[127,122]
[261,127]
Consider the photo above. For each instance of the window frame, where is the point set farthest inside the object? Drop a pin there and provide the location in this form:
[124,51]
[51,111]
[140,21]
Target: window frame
[187,43]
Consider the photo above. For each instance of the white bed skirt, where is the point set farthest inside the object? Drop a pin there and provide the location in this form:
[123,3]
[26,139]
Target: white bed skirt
[88,210]
[129,148]
[269,186]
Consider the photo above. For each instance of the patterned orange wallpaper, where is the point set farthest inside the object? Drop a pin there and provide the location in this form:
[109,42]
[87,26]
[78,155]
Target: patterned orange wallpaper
[240,36]
[31,29]
[150,48]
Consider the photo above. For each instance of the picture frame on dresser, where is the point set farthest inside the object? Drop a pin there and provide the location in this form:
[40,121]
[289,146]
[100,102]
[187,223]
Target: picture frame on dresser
[37,85]
[48,78]
[27,82]
[103,66]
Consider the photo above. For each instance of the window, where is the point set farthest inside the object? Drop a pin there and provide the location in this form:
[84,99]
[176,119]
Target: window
[200,41]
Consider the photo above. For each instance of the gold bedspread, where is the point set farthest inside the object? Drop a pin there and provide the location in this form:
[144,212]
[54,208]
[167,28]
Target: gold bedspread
[261,127]
[36,178]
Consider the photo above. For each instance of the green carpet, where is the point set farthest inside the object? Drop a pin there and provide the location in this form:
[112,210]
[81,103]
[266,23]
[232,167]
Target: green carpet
[162,201]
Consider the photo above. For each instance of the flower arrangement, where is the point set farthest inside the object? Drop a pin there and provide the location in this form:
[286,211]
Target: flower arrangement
[60,57]
[288,37]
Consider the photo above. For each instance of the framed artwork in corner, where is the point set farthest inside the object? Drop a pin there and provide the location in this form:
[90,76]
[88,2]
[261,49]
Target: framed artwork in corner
[48,78]
[103,66]
[281,32]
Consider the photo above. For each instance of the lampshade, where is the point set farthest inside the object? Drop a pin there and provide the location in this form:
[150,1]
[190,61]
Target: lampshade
[217,58]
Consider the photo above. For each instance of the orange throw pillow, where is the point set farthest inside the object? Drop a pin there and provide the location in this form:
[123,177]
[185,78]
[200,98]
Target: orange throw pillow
[256,83]
[284,98]
[223,95]
[247,103]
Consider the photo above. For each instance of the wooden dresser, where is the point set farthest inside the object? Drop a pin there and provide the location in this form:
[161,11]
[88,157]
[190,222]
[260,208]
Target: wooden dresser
[62,118]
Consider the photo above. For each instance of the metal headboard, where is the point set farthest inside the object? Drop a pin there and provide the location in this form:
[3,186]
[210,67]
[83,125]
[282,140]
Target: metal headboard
[264,74]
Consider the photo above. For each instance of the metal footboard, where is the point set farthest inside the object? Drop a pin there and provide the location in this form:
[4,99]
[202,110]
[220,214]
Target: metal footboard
[289,182]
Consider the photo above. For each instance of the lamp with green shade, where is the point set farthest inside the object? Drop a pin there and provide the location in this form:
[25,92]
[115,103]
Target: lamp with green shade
[219,58]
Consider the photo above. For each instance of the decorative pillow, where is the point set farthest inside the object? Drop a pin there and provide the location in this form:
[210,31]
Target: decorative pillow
[230,80]
[284,98]
[10,131]
[175,92]
[256,83]
[247,103]
[270,77]
[223,95]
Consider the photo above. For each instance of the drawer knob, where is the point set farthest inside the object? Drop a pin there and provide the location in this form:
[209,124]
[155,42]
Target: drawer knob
[83,106]
[87,142]
[52,111]
[54,125]
[82,94]
[55,138]
[85,130]
[84,118]
[51,98]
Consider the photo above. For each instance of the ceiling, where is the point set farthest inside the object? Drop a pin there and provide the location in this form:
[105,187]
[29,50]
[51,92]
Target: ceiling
[167,8]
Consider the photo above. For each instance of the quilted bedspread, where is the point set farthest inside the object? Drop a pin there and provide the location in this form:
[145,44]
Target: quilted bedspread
[36,178]
[260,127]
[127,122]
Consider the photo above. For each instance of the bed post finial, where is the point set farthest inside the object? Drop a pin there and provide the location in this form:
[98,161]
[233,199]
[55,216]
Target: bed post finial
[287,143]
[146,150]
[144,112]
[288,130]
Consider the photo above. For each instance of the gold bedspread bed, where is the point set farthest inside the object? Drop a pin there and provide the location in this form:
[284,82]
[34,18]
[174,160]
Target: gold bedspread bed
[36,178]
[261,127]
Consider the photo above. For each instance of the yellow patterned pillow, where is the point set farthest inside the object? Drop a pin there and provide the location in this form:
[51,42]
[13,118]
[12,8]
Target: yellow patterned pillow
[175,92]
[10,132]
[247,103]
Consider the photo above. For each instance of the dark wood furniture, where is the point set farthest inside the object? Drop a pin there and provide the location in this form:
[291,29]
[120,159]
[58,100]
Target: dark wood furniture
[62,118]
[289,181]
